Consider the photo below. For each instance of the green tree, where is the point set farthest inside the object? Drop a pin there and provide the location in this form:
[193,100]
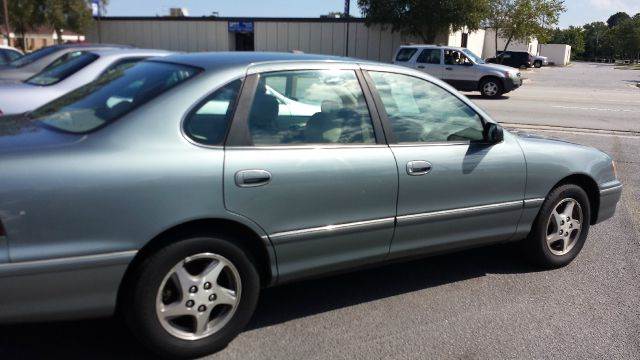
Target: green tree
[425,18]
[22,17]
[627,38]
[61,15]
[529,18]
[497,18]
[594,35]
[617,18]
[573,36]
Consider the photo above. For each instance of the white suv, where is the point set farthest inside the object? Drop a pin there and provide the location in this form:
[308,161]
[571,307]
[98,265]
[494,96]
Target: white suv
[461,68]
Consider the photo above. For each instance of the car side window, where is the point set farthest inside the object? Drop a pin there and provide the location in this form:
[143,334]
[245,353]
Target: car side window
[13,55]
[310,107]
[420,111]
[121,65]
[405,54]
[455,57]
[429,56]
[209,122]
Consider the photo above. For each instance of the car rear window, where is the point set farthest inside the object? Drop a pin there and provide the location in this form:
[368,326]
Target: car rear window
[405,54]
[34,56]
[62,68]
[111,96]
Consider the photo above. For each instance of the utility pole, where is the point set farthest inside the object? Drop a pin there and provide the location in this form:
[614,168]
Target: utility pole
[347,6]
[6,21]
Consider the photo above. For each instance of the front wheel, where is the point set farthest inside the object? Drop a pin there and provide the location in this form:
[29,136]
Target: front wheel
[537,64]
[192,297]
[491,88]
[561,228]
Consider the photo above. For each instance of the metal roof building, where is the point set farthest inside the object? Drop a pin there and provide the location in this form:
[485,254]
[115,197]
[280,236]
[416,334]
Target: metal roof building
[332,36]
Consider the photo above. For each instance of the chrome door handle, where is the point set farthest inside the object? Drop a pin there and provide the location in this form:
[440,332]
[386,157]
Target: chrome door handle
[449,68]
[418,167]
[420,66]
[252,178]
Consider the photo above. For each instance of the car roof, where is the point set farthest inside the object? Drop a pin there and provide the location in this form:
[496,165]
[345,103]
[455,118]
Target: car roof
[431,46]
[9,48]
[82,45]
[218,60]
[128,52]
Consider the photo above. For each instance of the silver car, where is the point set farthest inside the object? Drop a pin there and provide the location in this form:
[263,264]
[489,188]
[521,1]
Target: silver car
[176,189]
[69,72]
[460,68]
[28,65]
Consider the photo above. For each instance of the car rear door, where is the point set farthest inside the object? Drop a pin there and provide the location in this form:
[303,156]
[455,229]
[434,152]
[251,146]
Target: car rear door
[455,190]
[430,61]
[322,185]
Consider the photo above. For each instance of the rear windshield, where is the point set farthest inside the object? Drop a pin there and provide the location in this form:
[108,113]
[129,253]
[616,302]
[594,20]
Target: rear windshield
[62,68]
[111,96]
[405,54]
[34,56]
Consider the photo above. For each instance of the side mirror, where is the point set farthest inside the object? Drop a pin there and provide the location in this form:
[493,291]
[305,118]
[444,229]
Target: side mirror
[493,133]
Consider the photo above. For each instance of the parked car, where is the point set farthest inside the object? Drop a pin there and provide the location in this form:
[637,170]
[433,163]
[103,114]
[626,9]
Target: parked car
[131,193]
[460,68]
[9,54]
[28,65]
[540,61]
[69,72]
[516,59]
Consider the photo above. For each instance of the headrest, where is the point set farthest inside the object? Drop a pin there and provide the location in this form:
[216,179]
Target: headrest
[329,106]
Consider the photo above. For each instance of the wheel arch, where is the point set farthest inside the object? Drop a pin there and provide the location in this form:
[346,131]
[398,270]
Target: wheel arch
[491,76]
[590,186]
[258,247]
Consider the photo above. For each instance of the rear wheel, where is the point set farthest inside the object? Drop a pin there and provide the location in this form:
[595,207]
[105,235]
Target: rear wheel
[537,64]
[192,297]
[561,227]
[491,88]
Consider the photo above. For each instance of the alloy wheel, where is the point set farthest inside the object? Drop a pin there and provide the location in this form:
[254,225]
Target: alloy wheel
[490,88]
[564,226]
[198,296]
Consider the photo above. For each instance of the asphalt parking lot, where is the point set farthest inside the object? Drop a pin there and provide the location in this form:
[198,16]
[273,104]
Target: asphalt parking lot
[481,303]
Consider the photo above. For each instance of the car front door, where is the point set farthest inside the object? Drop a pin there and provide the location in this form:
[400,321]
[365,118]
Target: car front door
[455,189]
[430,62]
[459,71]
[322,183]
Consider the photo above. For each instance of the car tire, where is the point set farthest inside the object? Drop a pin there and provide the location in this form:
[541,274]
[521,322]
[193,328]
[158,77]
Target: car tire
[150,305]
[555,238]
[537,64]
[491,88]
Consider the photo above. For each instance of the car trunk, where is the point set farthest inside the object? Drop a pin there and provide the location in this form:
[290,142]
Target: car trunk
[18,133]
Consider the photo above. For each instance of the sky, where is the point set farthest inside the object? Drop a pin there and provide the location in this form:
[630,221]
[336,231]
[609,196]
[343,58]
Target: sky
[579,12]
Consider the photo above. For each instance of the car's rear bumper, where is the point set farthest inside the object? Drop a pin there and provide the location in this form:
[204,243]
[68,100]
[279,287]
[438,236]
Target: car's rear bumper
[66,288]
[609,198]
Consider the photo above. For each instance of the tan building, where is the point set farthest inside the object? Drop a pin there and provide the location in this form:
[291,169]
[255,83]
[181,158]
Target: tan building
[333,36]
[40,37]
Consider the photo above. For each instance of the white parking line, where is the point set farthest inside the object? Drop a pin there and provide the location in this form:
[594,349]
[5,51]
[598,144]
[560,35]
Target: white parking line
[592,108]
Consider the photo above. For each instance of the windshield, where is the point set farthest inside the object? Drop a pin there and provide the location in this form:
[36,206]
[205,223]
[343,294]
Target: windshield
[111,96]
[34,56]
[62,68]
[476,59]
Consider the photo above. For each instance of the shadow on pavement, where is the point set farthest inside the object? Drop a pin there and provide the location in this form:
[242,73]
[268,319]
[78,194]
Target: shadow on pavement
[480,97]
[109,339]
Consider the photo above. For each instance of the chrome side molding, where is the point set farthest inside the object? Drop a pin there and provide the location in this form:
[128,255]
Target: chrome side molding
[294,235]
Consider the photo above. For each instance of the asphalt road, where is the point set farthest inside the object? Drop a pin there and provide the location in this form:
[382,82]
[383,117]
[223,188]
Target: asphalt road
[584,95]
[481,303]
